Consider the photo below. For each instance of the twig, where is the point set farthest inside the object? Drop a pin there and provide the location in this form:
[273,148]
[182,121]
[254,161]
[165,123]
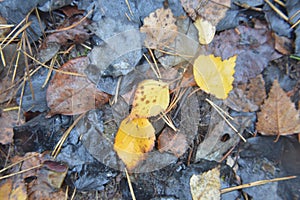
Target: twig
[256,183]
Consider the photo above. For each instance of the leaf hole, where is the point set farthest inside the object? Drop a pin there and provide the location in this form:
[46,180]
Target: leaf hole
[225,137]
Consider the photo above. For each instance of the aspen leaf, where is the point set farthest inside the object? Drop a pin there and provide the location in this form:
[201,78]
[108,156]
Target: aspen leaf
[206,186]
[278,114]
[160,28]
[151,98]
[213,75]
[71,94]
[206,31]
[133,140]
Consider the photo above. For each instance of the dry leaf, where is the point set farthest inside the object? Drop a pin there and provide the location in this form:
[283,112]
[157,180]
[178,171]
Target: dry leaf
[213,75]
[212,11]
[278,114]
[206,31]
[133,140]
[160,28]
[73,94]
[151,98]
[206,186]
[171,141]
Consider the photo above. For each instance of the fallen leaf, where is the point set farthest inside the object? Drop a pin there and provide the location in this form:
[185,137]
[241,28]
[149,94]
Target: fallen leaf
[73,94]
[54,41]
[134,139]
[212,11]
[206,186]
[7,121]
[160,28]
[278,114]
[213,75]
[151,98]
[173,142]
[206,31]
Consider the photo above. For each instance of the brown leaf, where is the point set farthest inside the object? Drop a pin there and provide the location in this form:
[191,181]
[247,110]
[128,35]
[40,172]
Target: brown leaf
[71,94]
[160,28]
[278,114]
[7,121]
[212,11]
[171,141]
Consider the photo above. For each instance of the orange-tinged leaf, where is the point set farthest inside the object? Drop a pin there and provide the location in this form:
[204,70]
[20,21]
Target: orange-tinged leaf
[151,98]
[133,140]
[213,75]
[206,31]
[71,94]
[278,114]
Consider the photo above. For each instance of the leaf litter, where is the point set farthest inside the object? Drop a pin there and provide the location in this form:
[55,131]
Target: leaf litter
[123,126]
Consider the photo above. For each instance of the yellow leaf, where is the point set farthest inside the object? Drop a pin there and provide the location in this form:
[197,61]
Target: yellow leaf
[151,98]
[213,75]
[206,31]
[133,140]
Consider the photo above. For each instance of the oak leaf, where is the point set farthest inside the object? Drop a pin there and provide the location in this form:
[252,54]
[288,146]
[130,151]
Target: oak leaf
[278,114]
[134,139]
[160,28]
[73,94]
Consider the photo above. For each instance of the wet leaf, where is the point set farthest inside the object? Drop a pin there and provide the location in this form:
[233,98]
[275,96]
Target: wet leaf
[206,31]
[213,75]
[151,98]
[278,114]
[173,142]
[133,140]
[160,28]
[206,186]
[73,94]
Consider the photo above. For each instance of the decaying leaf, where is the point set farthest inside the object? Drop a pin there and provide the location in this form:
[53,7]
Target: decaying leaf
[206,31]
[206,186]
[173,142]
[134,139]
[212,11]
[278,114]
[213,75]
[73,94]
[151,98]
[160,28]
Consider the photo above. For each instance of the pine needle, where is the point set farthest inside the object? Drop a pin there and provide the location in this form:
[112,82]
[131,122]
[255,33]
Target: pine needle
[256,183]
